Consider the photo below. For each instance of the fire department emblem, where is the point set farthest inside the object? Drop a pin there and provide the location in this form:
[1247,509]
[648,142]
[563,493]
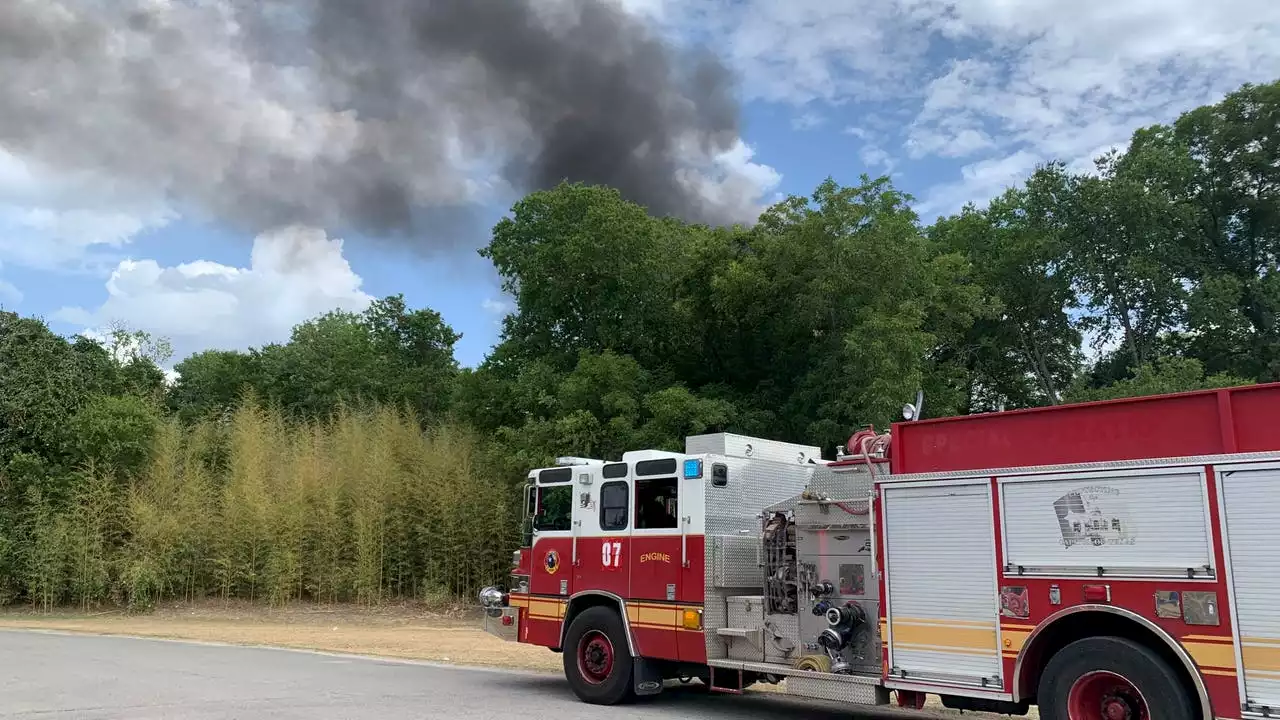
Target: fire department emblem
[551,562]
[1095,516]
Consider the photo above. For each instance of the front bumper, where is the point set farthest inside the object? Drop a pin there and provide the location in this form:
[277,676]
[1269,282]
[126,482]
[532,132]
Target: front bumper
[503,623]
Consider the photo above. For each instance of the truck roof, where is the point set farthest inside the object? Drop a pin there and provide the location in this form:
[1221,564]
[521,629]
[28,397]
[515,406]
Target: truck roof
[1241,419]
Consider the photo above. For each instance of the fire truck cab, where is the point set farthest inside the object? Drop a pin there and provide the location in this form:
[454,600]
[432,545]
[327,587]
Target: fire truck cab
[1114,560]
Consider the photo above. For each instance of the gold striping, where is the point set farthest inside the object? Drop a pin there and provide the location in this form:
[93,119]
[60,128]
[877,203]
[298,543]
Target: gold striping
[1217,655]
[546,609]
[1013,640]
[1264,656]
[960,635]
[949,649]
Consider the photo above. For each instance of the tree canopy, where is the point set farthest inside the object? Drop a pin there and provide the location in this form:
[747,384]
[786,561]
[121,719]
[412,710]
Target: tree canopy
[1158,271]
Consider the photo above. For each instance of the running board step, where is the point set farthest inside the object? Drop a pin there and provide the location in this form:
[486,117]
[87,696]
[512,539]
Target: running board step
[756,634]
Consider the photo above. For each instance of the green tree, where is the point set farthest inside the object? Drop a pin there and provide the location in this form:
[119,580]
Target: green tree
[211,382]
[386,354]
[1022,352]
[1232,150]
[1169,375]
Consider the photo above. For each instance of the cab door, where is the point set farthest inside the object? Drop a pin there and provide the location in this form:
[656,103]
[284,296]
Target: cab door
[603,518]
[656,542]
[553,530]
[551,577]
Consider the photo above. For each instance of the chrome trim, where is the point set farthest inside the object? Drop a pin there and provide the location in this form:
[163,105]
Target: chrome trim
[1002,472]
[959,690]
[789,671]
[1205,708]
[622,610]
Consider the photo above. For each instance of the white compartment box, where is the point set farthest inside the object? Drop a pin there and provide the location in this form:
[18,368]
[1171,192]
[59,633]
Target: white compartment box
[743,446]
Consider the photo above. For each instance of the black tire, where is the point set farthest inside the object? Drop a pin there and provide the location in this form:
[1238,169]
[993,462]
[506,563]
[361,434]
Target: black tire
[617,687]
[1158,685]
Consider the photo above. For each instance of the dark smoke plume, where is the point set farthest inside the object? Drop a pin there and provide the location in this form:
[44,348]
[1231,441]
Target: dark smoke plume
[363,114]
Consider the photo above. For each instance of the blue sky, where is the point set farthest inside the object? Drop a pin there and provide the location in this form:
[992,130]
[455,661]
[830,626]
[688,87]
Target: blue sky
[956,100]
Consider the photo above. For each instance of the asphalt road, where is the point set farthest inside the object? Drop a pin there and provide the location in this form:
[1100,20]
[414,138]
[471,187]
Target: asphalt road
[48,675]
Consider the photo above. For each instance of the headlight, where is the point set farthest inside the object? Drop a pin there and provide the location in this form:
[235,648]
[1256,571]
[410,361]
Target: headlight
[492,597]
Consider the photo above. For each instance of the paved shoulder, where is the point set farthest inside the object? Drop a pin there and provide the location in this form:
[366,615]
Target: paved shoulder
[93,678]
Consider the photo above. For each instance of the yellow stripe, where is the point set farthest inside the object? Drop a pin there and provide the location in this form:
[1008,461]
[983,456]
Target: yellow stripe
[1015,626]
[668,628]
[1217,655]
[657,616]
[1260,641]
[547,608]
[1013,640]
[942,649]
[936,635]
[1257,656]
[1219,673]
[1208,638]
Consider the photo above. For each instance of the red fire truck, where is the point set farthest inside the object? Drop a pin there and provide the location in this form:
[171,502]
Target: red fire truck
[1115,560]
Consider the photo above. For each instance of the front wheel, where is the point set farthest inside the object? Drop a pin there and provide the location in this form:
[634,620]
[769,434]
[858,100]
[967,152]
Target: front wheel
[597,661]
[1111,678]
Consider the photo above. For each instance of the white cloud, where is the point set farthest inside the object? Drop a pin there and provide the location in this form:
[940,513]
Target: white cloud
[496,307]
[733,182]
[807,121]
[874,156]
[9,293]
[980,181]
[294,273]
[987,80]
[499,309]
[68,220]
[804,50]
[1068,80]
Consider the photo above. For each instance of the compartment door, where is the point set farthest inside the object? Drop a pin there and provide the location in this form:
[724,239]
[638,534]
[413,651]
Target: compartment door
[1250,498]
[940,571]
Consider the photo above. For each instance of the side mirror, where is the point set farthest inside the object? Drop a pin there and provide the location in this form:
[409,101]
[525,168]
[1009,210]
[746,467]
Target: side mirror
[530,501]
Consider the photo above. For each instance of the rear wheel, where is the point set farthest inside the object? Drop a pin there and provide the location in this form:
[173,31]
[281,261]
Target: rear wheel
[1111,678]
[597,660]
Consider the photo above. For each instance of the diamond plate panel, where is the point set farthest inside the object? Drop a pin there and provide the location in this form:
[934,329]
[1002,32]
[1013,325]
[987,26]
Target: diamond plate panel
[735,561]
[733,521]
[837,689]
[746,612]
[753,486]
[781,638]
[847,482]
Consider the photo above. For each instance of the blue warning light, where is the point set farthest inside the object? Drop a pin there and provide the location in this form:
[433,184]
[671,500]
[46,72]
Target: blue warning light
[692,469]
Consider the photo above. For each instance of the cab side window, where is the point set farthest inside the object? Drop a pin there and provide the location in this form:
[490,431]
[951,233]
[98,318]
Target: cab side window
[656,503]
[614,497]
[555,505]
